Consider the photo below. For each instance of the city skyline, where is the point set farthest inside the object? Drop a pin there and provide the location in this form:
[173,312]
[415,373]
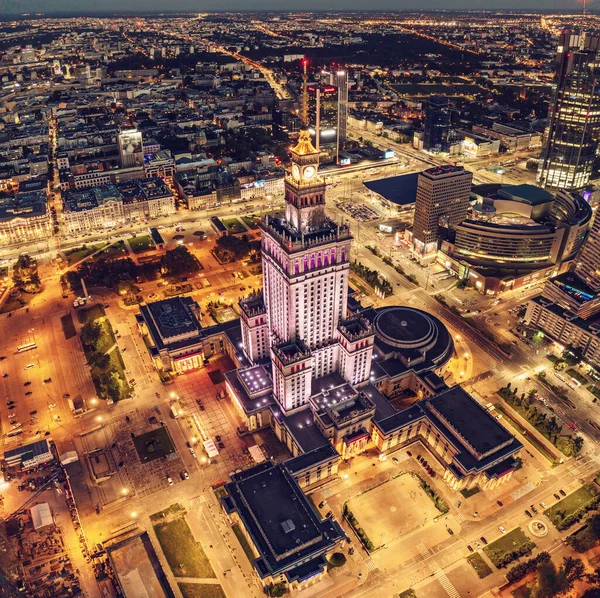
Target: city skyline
[21,7]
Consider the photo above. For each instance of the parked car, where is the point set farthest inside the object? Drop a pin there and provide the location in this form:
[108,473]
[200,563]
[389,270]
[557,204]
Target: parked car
[533,509]
[528,513]
[543,505]
[322,504]
[169,480]
[562,492]
[483,540]
[502,529]
[27,383]
[470,548]
[395,460]
[449,531]
[556,496]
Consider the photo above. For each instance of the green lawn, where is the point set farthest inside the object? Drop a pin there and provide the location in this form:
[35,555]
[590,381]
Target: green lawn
[201,590]
[117,249]
[233,225]
[12,304]
[141,243]
[75,255]
[570,504]
[68,326]
[575,374]
[184,555]
[251,221]
[481,567]
[239,534]
[509,547]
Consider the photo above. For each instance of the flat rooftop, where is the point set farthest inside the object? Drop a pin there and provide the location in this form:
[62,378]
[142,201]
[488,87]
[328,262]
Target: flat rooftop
[283,524]
[526,193]
[174,317]
[469,420]
[401,190]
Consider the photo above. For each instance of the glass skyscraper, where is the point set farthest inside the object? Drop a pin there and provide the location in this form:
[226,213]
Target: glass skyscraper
[574,117]
[437,124]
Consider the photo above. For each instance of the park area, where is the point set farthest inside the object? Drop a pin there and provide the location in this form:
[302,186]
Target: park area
[251,221]
[183,553]
[392,509]
[571,508]
[76,255]
[103,356]
[233,225]
[509,547]
[141,243]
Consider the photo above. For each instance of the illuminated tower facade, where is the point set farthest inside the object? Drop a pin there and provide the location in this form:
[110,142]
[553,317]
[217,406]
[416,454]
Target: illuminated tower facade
[306,264]
[571,139]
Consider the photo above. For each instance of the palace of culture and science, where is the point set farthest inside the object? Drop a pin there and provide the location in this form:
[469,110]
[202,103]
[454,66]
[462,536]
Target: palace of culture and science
[324,374]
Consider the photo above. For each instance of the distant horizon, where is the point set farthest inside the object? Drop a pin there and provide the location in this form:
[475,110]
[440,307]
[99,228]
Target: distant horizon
[47,11]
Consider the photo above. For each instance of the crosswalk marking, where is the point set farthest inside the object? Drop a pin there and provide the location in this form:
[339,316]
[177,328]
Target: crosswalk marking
[446,583]
[371,566]
[425,552]
[523,491]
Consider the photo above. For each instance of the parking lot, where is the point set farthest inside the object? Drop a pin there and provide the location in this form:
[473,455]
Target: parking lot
[359,211]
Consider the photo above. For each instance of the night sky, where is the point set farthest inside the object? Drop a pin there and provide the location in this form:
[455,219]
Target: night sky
[82,6]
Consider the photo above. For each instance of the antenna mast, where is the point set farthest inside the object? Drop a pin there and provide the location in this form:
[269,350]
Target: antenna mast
[305,93]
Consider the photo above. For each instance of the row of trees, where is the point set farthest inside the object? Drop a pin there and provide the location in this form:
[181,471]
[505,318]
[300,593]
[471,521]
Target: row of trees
[547,425]
[110,273]
[372,277]
[95,336]
[360,532]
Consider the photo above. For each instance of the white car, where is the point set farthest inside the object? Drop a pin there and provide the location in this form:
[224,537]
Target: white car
[543,505]
[52,406]
[12,415]
[502,529]
[193,453]
[169,480]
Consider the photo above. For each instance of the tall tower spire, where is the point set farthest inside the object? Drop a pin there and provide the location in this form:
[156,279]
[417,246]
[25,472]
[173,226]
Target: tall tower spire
[305,93]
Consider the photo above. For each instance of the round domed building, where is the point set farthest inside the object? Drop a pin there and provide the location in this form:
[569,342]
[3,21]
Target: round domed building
[411,347]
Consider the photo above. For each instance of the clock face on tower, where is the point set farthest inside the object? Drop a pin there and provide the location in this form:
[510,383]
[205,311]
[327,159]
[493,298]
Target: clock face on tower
[296,171]
[309,172]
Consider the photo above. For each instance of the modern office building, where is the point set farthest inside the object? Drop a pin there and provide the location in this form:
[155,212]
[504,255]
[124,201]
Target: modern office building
[442,202]
[588,263]
[571,139]
[323,115]
[341,78]
[131,148]
[569,307]
[437,124]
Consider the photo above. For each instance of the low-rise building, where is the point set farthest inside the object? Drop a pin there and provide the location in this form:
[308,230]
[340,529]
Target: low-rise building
[25,217]
[92,209]
[282,526]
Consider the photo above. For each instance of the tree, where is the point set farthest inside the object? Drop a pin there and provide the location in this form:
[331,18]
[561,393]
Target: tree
[98,360]
[337,559]
[25,275]
[90,333]
[551,582]
[179,261]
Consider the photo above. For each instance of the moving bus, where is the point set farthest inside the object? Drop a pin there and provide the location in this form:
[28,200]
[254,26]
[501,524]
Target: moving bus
[27,347]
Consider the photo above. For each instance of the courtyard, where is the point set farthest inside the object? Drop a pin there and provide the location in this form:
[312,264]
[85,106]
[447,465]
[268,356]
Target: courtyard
[392,509]
[154,444]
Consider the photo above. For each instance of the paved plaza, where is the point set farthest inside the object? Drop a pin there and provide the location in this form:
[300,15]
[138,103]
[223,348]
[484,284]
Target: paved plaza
[393,509]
